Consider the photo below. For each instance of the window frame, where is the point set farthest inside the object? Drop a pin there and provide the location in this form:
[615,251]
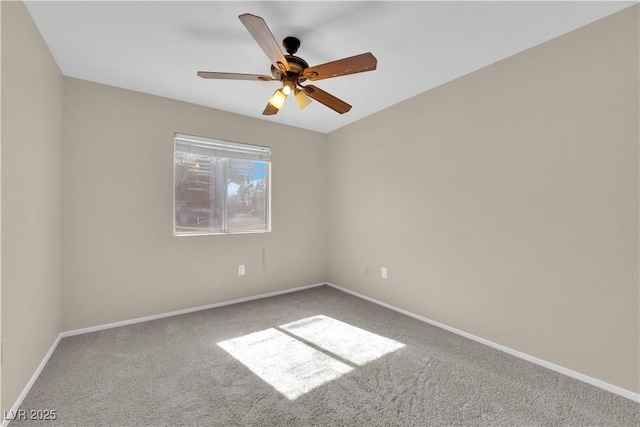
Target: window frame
[221,146]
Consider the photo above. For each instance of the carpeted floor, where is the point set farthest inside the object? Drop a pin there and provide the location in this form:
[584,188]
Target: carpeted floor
[317,357]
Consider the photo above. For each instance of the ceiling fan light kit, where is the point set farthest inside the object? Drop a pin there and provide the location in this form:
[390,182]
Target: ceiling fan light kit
[278,98]
[301,98]
[292,70]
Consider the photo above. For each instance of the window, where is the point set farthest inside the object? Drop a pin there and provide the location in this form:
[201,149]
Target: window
[220,186]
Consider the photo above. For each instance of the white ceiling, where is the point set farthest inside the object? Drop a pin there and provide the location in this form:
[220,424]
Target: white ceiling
[156,47]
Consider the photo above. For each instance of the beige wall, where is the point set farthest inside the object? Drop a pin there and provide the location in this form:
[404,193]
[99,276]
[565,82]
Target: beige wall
[32,92]
[505,203]
[120,259]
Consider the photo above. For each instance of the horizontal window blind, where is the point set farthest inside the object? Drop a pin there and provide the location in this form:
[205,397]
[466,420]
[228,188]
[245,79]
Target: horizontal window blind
[218,148]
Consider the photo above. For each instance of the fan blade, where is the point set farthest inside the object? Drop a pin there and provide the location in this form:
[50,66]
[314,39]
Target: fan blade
[262,35]
[327,99]
[270,110]
[233,76]
[342,67]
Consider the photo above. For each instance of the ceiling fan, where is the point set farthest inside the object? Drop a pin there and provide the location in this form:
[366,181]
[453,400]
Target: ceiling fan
[292,70]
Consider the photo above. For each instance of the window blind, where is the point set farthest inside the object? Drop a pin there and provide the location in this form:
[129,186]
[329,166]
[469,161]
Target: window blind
[218,148]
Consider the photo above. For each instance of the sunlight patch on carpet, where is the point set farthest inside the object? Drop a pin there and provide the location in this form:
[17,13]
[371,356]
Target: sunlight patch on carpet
[288,365]
[349,342]
[293,367]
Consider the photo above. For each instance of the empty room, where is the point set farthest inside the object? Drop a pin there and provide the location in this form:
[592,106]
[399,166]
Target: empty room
[306,213]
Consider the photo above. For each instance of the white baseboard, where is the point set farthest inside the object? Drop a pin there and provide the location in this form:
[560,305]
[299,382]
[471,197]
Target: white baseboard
[568,372]
[34,377]
[185,311]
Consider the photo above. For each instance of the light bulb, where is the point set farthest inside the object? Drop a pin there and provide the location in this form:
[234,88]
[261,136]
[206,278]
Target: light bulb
[288,85]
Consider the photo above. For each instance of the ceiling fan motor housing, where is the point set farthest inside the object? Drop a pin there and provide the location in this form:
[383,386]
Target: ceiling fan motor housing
[296,65]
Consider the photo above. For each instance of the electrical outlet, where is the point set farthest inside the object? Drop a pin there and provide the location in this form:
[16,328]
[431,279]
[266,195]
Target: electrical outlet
[241,270]
[383,272]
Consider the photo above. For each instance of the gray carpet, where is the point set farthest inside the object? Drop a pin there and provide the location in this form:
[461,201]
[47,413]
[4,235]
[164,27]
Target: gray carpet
[384,369]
